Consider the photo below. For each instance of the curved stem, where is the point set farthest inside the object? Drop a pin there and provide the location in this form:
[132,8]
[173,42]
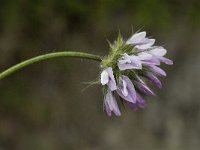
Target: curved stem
[45,57]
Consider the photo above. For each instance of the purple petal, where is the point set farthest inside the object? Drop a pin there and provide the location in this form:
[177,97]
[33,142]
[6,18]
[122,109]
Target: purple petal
[143,88]
[165,60]
[107,108]
[139,103]
[132,106]
[112,83]
[157,70]
[154,79]
[129,88]
[153,61]
[111,104]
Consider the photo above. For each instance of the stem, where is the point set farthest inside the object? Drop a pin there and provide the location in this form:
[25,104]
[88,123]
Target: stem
[45,57]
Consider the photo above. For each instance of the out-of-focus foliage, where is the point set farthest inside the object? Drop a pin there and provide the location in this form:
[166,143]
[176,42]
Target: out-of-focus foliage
[43,108]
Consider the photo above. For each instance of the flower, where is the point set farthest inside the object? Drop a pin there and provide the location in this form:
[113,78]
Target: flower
[110,104]
[129,62]
[140,102]
[143,88]
[107,78]
[127,70]
[158,54]
[126,89]
[140,41]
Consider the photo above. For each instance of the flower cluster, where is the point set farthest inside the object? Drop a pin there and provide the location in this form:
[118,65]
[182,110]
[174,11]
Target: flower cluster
[127,68]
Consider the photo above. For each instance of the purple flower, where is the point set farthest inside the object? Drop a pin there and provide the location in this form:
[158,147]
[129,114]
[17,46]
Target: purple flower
[140,102]
[129,62]
[153,79]
[147,58]
[140,41]
[107,78]
[126,89]
[158,54]
[139,57]
[144,89]
[110,104]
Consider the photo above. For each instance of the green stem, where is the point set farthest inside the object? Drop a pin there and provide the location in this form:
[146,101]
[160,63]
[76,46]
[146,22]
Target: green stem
[45,57]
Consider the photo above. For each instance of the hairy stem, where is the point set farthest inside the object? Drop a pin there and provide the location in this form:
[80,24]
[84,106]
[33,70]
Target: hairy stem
[45,57]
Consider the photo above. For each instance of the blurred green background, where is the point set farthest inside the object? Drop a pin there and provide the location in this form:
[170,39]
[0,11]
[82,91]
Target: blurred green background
[42,106]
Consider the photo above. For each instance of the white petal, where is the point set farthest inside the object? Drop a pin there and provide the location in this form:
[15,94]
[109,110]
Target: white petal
[104,77]
[137,38]
[159,51]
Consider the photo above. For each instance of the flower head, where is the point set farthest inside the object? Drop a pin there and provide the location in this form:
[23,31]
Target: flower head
[128,68]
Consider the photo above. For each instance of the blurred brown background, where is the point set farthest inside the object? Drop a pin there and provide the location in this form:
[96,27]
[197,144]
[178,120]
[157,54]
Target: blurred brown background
[42,106]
